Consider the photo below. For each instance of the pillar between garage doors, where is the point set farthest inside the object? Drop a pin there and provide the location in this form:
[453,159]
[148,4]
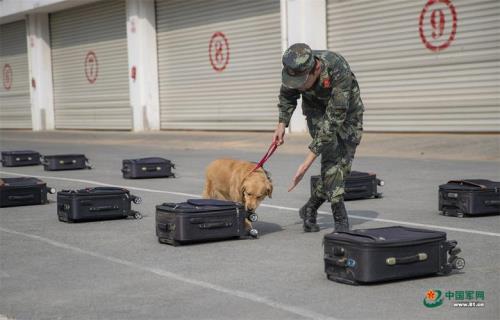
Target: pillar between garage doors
[305,22]
[143,64]
[40,72]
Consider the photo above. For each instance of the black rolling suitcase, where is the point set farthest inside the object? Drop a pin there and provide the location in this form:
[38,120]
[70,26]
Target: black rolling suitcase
[469,197]
[199,220]
[65,162]
[101,203]
[358,185]
[147,168]
[23,191]
[390,253]
[20,158]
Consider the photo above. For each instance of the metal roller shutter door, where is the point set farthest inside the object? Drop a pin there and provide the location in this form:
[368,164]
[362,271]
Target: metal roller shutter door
[243,96]
[408,87]
[15,104]
[90,67]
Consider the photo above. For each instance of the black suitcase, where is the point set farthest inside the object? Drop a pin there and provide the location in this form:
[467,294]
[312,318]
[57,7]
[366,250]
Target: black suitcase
[469,197]
[65,162]
[91,204]
[358,185]
[20,158]
[147,168]
[23,191]
[199,220]
[390,253]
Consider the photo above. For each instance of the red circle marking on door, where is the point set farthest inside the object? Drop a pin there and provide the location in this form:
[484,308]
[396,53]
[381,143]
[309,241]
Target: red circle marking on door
[434,24]
[218,51]
[7,76]
[91,67]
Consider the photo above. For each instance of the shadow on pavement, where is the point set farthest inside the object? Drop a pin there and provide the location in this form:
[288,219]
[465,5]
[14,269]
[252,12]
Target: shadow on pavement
[325,221]
[265,228]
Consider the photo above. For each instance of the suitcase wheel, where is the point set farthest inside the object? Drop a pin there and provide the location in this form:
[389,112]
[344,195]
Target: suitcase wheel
[137,200]
[170,242]
[379,195]
[65,220]
[253,217]
[254,233]
[137,215]
[458,263]
[457,214]
[51,190]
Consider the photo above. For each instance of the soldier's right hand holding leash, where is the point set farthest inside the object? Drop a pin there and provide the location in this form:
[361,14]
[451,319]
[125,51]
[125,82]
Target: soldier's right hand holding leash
[279,134]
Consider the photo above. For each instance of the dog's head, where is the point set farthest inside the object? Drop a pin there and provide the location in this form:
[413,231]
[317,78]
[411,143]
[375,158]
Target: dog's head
[254,189]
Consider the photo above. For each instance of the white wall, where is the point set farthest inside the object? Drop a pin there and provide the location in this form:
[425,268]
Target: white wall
[11,10]
[40,71]
[306,23]
[142,56]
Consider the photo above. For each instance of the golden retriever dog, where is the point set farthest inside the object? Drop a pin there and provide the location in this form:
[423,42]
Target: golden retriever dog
[228,179]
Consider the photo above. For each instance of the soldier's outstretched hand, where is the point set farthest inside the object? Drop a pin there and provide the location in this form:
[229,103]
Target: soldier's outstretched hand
[301,171]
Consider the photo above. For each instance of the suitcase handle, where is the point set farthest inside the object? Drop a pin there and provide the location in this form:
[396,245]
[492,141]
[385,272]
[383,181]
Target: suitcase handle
[359,235]
[107,188]
[492,202]
[67,161]
[25,197]
[151,168]
[391,261]
[104,208]
[24,159]
[340,262]
[215,225]
[356,189]
[167,227]
[467,182]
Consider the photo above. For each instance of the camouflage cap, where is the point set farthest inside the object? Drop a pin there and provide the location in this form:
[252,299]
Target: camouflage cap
[298,60]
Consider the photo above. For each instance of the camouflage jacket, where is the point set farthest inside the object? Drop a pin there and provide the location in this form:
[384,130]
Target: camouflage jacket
[334,100]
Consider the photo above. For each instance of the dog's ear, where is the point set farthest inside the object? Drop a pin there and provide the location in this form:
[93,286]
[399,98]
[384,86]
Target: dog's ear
[269,190]
[242,191]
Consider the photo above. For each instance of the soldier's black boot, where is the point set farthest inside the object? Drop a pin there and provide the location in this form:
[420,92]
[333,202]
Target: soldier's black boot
[309,212]
[340,219]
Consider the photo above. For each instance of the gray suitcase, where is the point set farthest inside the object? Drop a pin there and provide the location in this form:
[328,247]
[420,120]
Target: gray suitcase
[390,253]
[65,162]
[20,158]
[358,185]
[199,220]
[144,168]
[100,203]
[23,191]
[470,197]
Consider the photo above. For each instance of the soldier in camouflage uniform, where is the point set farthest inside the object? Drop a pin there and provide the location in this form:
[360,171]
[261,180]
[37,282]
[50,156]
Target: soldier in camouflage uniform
[333,108]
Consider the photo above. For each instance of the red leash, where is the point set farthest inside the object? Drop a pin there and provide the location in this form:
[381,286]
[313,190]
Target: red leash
[266,157]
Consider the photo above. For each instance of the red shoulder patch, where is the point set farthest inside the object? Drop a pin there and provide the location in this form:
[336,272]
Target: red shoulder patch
[327,83]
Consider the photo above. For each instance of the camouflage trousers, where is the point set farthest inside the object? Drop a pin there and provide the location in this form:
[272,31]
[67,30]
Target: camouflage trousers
[336,161]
